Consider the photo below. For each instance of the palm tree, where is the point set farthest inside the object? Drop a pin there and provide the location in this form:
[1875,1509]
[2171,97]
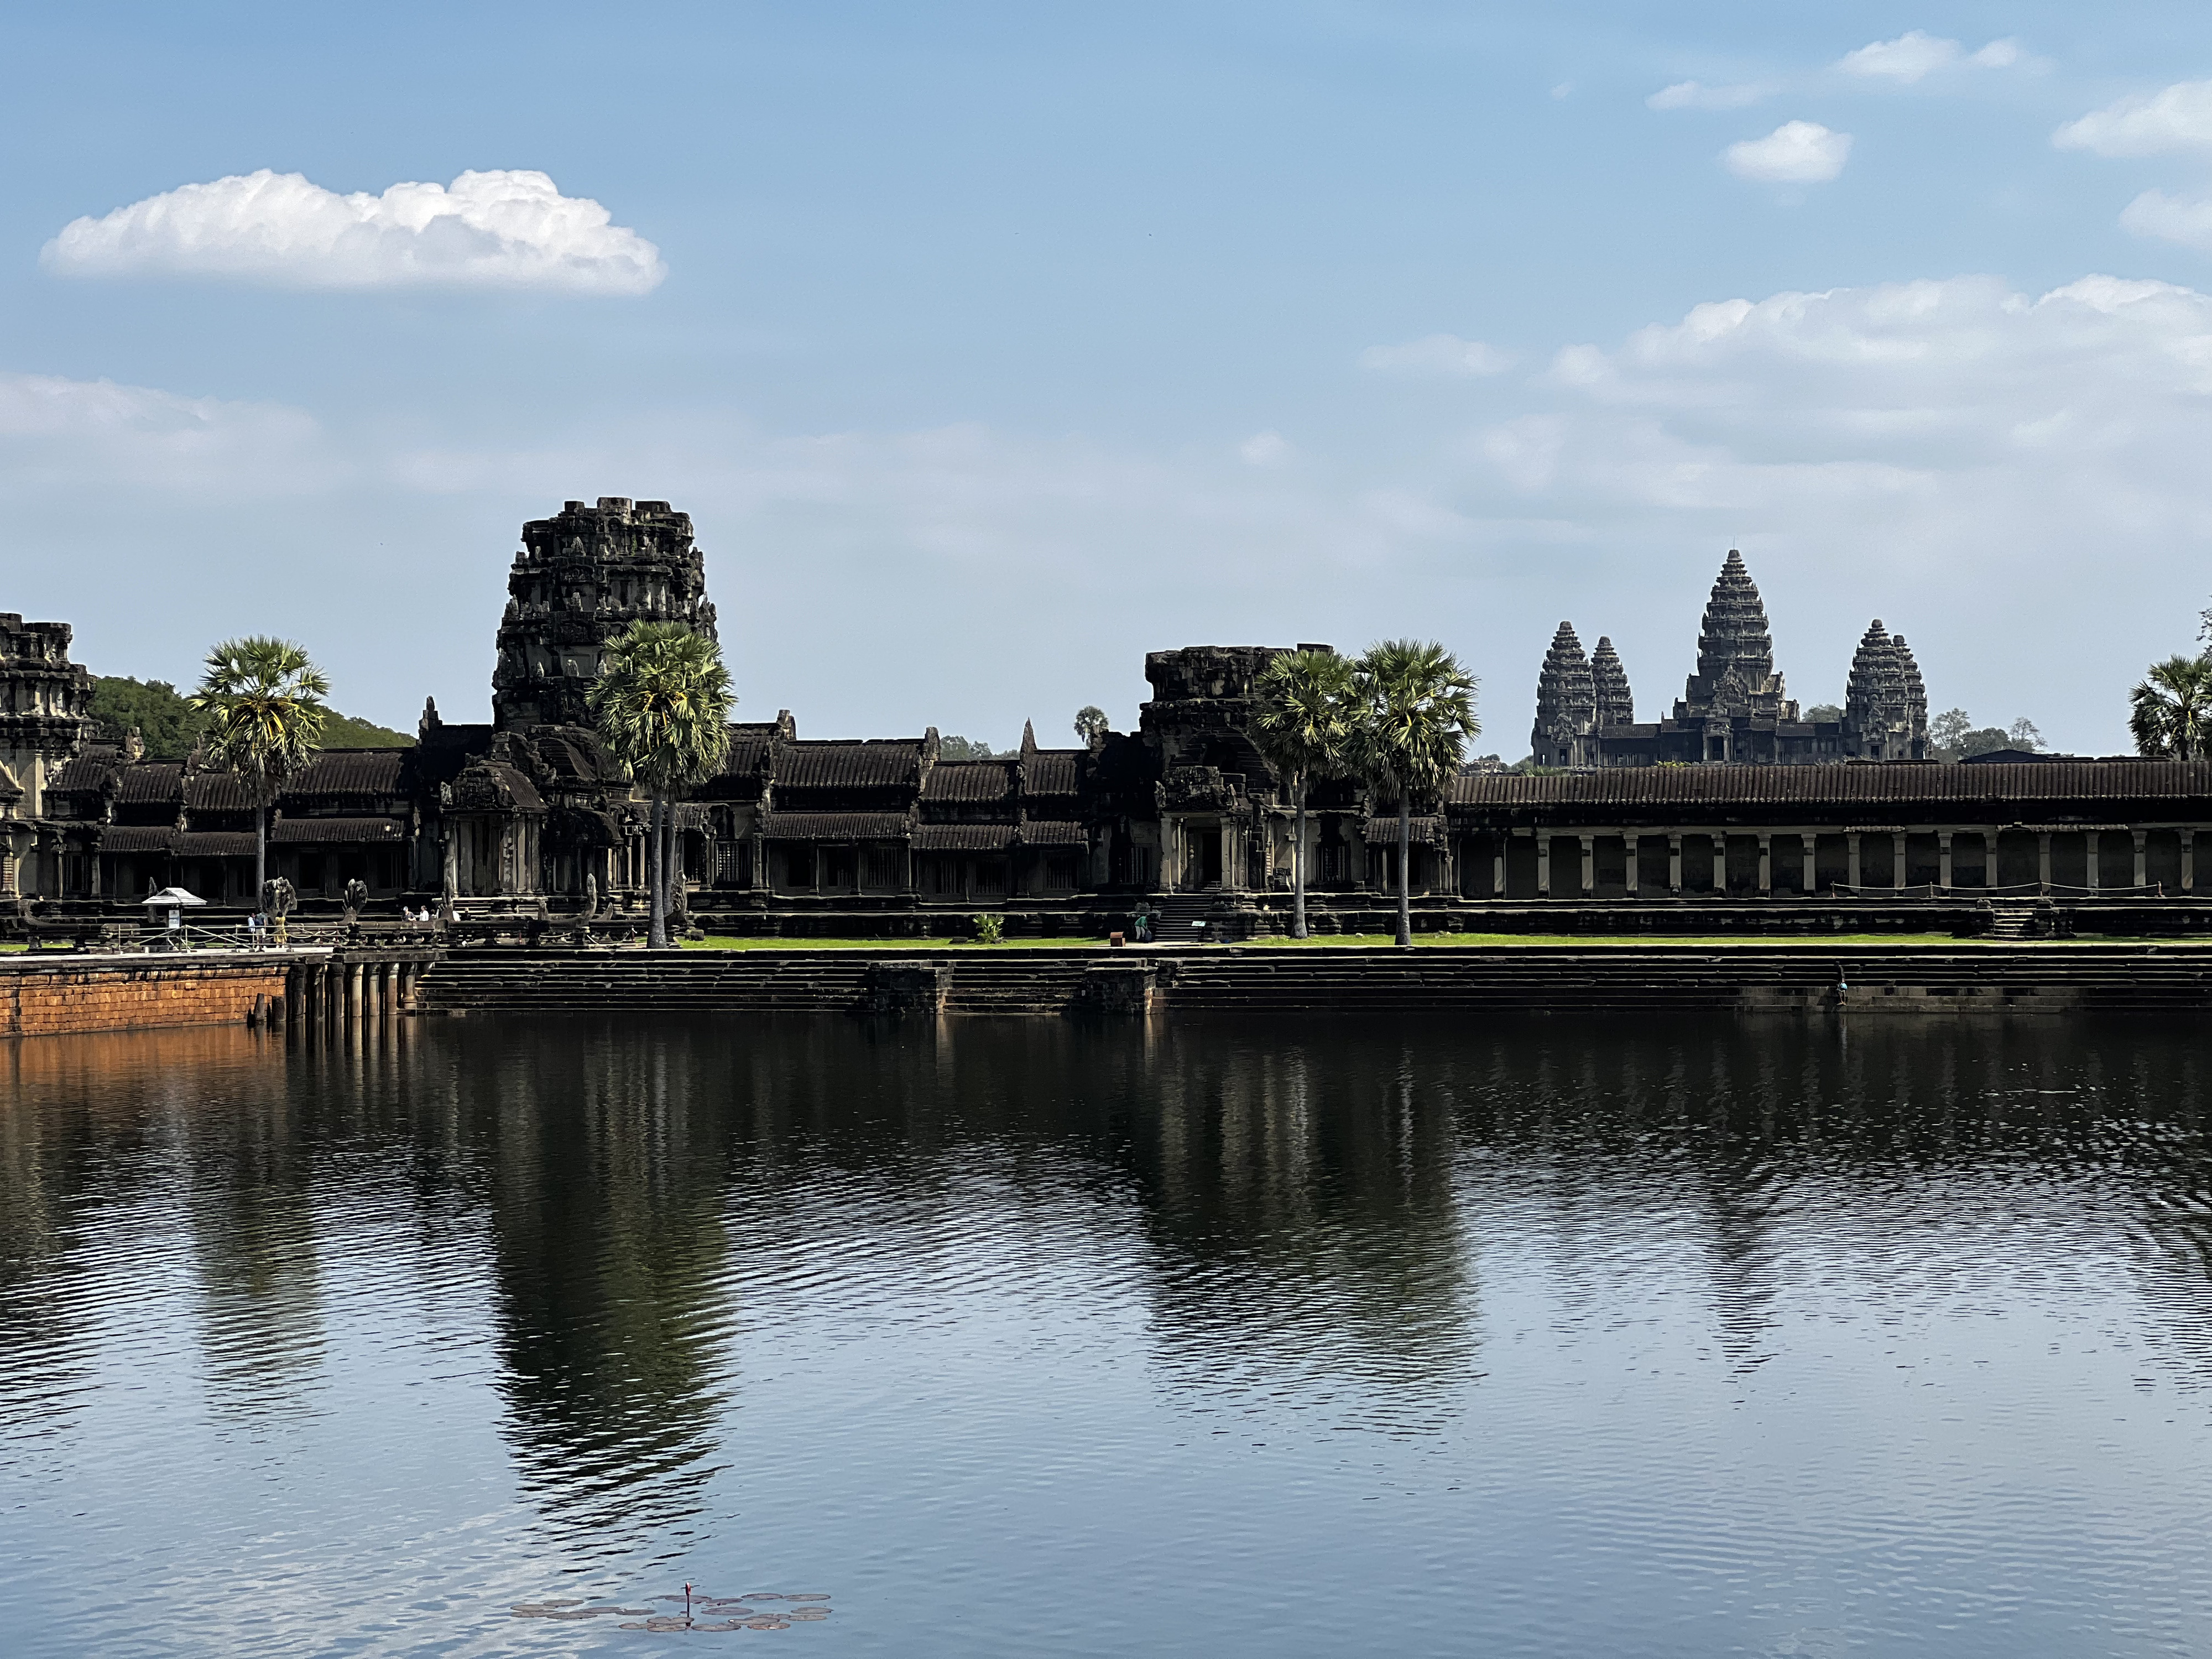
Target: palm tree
[264,698]
[1301,722]
[1416,713]
[2171,712]
[663,703]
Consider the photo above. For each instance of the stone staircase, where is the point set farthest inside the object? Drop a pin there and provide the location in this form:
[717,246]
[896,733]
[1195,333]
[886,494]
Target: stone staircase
[1625,978]
[1176,916]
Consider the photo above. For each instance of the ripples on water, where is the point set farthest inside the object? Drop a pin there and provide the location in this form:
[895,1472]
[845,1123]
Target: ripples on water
[1556,1337]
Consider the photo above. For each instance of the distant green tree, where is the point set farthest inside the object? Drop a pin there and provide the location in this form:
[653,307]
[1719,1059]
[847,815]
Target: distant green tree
[344,731]
[962,748]
[1089,723]
[1824,711]
[663,703]
[1302,720]
[1948,731]
[2170,713]
[170,726]
[1953,736]
[1415,714]
[263,701]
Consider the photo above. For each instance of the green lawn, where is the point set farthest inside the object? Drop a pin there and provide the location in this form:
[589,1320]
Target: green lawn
[1346,941]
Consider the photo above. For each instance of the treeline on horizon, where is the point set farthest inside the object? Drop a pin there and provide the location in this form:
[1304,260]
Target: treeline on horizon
[170,725]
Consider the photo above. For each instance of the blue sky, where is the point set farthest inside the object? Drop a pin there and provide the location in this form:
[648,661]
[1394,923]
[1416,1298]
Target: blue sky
[991,346]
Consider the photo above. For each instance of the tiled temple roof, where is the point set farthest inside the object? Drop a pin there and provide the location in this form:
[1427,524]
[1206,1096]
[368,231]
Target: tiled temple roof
[153,783]
[339,772]
[218,791]
[1426,831]
[348,830]
[2002,787]
[968,781]
[1052,772]
[964,837]
[136,838]
[82,774]
[835,826]
[890,764]
[1053,832]
[213,844]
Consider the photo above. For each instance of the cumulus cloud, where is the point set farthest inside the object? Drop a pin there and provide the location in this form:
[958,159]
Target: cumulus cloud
[1438,354]
[1795,152]
[486,230]
[2152,124]
[1916,55]
[1695,94]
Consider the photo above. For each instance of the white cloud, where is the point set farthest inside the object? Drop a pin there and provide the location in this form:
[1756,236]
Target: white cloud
[1911,57]
[97,434]
[2171,219]
[1265,449]
[2178,119]
[1693,94]
[1795,152]
[1438,354]
[1916,55]
[487,230]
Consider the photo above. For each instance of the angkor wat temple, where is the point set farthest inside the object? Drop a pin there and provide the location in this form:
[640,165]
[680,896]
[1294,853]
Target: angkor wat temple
[1734,709]
[887,834]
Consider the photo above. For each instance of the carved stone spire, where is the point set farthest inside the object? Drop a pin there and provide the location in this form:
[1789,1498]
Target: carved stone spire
[1734,643]
[1567,704]
[1616,705]
[1884,709]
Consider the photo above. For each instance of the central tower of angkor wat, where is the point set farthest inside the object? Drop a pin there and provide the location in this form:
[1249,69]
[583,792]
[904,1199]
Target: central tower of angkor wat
[1735,707]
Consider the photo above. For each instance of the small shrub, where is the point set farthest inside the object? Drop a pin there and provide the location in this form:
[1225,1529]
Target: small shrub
[990,929]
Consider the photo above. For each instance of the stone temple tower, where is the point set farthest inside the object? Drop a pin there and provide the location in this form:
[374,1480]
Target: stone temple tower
[1885,707]
[1735,656]
[581,579]
[1567,704]
[1616,705]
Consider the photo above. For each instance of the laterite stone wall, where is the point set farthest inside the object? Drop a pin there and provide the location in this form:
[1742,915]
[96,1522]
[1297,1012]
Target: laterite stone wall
[52,998]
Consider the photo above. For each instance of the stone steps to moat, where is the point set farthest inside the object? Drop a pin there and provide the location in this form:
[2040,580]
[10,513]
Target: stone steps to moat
[1658,978]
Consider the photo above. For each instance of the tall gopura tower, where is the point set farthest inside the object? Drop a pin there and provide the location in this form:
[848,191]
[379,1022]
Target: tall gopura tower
[581,579]
[1885,707]
[1736,655]
[44,718]
[1567,704]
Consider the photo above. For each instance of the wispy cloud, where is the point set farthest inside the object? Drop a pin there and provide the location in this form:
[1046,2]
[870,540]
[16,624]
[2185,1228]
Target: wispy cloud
[1441,355]
[2179,117]
[487,230]
[1695,95]
[1916,55]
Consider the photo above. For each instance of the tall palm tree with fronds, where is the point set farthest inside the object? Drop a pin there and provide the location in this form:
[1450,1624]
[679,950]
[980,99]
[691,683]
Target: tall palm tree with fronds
[2170,713]
[662,702]
[1302,720]
[263,699]
[1416,713]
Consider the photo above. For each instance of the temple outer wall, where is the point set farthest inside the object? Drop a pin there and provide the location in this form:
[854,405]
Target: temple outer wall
[58,997]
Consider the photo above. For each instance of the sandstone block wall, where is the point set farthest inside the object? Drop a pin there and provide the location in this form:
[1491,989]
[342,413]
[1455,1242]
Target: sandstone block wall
[45,998]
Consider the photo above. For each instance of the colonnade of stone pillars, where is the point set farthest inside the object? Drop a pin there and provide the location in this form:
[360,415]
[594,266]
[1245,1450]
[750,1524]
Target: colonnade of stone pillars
[1585,847]
[329,991]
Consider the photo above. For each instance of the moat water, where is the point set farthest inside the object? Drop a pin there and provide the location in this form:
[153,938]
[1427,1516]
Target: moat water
[1545,1337]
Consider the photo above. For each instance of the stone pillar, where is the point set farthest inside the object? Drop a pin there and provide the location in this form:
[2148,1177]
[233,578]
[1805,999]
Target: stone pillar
[1897,862]
[1543,867]
[354,974]
[1634,870]
[2189,861]
[1943,859]
[2090,872]
[1852,856]
[1673,864]
[1497,869]
[1808,842]
[2043,862]
[1765,864]
[1590,865]
[2143,867]
[1230,847]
